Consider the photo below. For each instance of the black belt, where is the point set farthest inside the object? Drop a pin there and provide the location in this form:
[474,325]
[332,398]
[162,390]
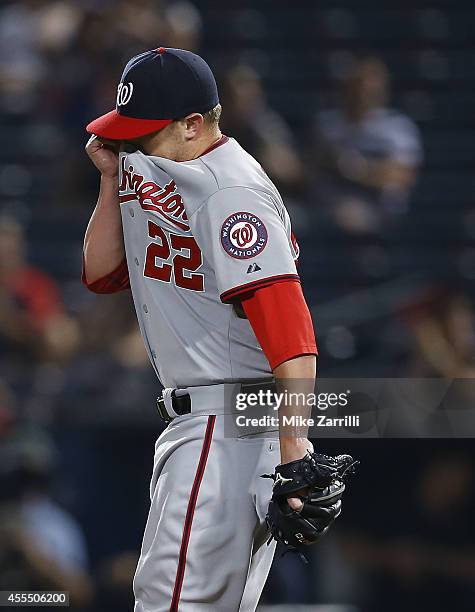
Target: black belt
[182,403]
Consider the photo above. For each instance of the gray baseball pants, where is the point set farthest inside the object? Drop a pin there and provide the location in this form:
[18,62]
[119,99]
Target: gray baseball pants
[205,543]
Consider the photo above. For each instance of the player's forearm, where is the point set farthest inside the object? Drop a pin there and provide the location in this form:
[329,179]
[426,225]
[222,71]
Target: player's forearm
[296,376]
[282,323]
[104,244]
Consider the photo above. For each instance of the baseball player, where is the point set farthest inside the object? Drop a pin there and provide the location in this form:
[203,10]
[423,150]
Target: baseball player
[192,224]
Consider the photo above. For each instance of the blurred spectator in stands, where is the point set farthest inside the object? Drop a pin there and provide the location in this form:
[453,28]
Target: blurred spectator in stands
[182,26]
[367,154]
[115,583]
[7,409]
[443,327]
[41,544]
[421,554]
[21,64]
[136,20]
[111,350]
[32,317]
[258,128]
[31,31]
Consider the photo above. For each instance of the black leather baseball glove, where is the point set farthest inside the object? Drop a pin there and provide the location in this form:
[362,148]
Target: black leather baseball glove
[323,479]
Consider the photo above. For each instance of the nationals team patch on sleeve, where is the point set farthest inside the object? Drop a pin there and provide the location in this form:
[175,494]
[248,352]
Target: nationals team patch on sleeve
[243,235]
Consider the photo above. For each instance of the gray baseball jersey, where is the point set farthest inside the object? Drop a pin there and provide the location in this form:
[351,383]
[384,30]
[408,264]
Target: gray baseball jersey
[197,235]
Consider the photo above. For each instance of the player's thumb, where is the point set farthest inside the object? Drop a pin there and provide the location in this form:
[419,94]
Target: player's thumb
[295,503]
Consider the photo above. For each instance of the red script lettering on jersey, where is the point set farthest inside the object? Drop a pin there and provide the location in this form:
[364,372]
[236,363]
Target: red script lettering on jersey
[162,200]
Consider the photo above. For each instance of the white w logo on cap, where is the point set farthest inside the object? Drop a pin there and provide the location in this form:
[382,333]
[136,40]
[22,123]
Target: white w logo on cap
[124,93]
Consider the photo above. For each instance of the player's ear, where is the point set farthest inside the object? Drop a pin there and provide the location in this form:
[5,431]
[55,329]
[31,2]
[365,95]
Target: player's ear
[193,125]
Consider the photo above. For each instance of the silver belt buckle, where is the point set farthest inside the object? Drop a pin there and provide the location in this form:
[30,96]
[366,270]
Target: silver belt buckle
[162,411]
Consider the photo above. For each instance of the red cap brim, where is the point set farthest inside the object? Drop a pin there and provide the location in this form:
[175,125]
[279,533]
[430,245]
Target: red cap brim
[118,127]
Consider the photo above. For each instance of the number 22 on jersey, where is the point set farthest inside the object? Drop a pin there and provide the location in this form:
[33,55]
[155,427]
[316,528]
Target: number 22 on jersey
[173,255]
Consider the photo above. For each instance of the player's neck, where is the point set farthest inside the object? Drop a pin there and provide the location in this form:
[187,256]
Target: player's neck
[196,148]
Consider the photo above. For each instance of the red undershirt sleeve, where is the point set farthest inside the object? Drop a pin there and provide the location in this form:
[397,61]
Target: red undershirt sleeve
[280,318]
[115,281]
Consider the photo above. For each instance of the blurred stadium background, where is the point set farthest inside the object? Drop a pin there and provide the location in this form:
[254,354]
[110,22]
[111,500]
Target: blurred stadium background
[362,112]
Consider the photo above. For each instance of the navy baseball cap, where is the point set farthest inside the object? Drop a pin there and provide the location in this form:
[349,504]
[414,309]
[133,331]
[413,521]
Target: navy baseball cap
[156,88]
